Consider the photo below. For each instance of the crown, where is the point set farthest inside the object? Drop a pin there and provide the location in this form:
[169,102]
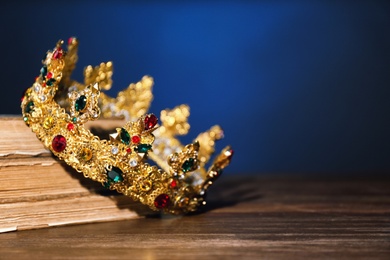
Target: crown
[142,159]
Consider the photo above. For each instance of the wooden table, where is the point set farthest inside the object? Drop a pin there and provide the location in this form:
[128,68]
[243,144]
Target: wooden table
[263,217]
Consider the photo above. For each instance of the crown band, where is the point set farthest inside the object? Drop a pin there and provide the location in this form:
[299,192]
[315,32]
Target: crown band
[55,107]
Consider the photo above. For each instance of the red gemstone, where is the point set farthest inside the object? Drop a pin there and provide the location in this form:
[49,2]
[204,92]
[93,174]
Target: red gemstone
[24,95]
[70,126]
[150,121]
[70,40]
[59,143]
[161,201]
[135,139]
[128,150]
[49,75]
[173,184]
[57,53]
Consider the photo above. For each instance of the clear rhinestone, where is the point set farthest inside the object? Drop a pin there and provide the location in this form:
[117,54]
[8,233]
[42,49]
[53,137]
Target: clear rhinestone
[42,98]
[72,88]
[167,151]
[37,87]
[156,151]
[114,150]
[48,56]
[95,115]
[73,95]
[133,162]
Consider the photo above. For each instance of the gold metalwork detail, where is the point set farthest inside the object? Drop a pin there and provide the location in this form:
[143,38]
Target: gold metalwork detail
[56,107]
[85,154]
[48,122]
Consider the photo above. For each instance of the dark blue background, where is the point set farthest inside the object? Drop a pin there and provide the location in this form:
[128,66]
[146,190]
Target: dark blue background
[297,86]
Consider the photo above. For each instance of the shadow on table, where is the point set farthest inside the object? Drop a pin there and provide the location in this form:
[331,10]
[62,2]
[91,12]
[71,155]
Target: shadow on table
[229,191]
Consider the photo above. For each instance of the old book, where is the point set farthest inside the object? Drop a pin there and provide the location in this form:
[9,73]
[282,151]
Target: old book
[37,190]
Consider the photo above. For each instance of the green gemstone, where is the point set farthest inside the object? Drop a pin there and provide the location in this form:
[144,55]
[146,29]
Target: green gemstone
[107,184]
[50,82]
[115,175]
[29,107]
[81,103]
[44,71]
[143,148]
[125,136]
[188,165]
[74,119]
[25,119]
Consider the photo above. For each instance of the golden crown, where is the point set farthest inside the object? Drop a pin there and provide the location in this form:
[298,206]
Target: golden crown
[56,107]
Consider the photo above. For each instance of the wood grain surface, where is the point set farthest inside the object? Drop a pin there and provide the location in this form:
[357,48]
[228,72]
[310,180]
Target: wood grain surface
[247,217]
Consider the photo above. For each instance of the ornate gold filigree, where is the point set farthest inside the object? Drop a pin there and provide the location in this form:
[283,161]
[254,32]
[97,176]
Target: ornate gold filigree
[56,107]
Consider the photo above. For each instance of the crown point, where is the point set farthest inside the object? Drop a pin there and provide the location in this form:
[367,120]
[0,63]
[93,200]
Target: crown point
[95,88]
[72,40]
[57,54]
[59,43]
[229,154]
[196,145]
[113,137]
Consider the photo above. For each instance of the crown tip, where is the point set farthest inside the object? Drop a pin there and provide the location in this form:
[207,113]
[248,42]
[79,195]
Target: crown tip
[229,153]
[72,40]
